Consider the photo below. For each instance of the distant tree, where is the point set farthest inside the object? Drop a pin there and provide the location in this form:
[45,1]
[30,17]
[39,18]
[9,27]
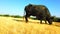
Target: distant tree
[56,19]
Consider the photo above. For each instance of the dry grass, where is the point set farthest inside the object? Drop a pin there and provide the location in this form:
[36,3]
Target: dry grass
[9,25]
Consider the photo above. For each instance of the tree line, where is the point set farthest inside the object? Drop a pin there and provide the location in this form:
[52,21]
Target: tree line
[56,19]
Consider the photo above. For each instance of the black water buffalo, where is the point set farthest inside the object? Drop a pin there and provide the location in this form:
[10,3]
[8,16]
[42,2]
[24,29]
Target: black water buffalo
[40,11]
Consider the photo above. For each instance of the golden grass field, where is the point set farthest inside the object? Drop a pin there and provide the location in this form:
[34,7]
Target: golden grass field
[9,25]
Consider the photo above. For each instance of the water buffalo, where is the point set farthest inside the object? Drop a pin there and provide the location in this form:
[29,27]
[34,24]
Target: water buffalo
[40,11]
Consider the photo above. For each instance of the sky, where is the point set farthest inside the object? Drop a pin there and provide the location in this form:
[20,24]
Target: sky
[16,7]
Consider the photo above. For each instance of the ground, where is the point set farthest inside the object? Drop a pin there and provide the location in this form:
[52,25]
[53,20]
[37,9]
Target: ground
[10,25]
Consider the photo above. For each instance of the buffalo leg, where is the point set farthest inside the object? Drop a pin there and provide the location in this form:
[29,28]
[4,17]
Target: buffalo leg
[26,18]
[41,21]
[45,21]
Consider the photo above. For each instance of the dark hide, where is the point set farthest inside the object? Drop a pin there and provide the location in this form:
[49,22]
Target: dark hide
[40,11]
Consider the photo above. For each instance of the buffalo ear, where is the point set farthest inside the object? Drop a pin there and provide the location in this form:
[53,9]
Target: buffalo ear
[30,5]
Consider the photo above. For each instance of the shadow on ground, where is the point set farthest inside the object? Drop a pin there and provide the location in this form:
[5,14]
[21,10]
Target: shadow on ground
[18,20]
[35,22]
[24,21]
